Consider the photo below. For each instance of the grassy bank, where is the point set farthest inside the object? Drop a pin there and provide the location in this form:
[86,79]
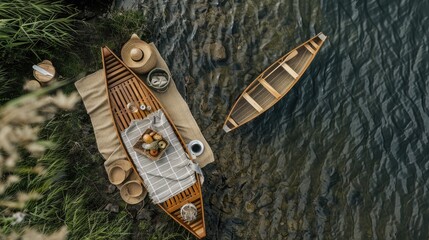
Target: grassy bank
[69,177]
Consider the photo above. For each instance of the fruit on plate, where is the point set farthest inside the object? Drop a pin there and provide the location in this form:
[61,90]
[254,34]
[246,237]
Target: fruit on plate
[162,144]
[153,152]
[147,138]
[157,137]
[149,146]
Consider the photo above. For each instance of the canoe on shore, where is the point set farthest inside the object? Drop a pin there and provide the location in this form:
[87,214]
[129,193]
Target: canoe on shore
[125,87]
[273,83]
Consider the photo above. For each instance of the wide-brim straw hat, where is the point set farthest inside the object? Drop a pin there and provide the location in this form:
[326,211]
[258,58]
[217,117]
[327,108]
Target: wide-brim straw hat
[138,55]
[119,171]
[127,189]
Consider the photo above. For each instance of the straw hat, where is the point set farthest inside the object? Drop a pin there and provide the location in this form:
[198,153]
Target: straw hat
[119,171]
[133,192]
[138,55]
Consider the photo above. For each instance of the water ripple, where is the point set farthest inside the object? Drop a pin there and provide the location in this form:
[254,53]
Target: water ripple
[344,154]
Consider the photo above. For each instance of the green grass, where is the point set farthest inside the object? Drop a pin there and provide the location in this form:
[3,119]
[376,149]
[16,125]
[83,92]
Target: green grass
[7,85]
[112,31]
[73,186]
[31,30]
[73,190]
[69,187]
[34,26]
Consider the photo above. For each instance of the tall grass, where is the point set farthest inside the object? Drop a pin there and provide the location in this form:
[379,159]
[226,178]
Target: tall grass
[29,31]
[72,186]
[33,26]
[6,85]
[69,186]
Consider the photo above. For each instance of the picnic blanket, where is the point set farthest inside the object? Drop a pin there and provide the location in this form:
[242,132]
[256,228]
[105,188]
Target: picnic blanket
[173,172]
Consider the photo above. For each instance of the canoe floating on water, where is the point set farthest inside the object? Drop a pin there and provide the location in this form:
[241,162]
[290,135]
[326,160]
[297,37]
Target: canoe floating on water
[273,83]
[125,87]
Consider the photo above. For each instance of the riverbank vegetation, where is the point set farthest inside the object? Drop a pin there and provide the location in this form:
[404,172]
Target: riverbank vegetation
[52,179]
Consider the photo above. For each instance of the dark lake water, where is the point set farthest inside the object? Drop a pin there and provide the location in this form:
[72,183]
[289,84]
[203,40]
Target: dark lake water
[345,154]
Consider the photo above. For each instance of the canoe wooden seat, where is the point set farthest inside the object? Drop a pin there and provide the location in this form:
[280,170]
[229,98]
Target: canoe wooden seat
[269,88]
[290,70]
[314,44]
[233,122]
[311,50]
[253,102]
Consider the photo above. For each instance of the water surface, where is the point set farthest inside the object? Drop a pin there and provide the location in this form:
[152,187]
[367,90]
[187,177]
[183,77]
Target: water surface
[344,154]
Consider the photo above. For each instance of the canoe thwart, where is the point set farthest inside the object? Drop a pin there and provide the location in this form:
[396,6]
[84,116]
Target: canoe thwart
[253,102]
[233,122]
[314,44]
[290,70]
[269,88]
[310,49]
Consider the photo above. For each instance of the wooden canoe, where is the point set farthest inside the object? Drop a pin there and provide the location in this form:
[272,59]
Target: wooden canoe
[124,87]
[273,83]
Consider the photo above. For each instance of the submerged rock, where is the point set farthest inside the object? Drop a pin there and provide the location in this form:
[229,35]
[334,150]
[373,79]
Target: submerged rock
[265,200]
[250,207]
[112,208]
[144,215]
[215,50]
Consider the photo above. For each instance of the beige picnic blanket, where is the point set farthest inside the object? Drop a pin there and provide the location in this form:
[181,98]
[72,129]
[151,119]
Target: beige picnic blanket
[93,91]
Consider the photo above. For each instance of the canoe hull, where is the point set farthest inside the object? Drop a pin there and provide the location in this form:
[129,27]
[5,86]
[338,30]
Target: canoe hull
[273,83]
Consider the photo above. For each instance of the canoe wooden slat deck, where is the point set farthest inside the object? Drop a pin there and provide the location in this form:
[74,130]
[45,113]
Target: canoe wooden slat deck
[124,88]
[273,83]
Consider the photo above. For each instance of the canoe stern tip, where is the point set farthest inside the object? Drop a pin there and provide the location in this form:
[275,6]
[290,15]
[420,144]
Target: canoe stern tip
[201,233]
[226,128]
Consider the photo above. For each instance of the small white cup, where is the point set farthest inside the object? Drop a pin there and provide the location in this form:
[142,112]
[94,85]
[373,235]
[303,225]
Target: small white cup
[196,148]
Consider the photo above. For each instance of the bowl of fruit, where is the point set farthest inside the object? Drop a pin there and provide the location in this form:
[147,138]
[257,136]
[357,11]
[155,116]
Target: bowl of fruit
[151,144]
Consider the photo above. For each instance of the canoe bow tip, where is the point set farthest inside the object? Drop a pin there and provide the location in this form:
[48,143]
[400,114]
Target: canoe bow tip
[322,36]
[105,51]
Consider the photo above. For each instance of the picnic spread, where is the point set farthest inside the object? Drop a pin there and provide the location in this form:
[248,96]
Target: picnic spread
[146,133]
[173,172]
